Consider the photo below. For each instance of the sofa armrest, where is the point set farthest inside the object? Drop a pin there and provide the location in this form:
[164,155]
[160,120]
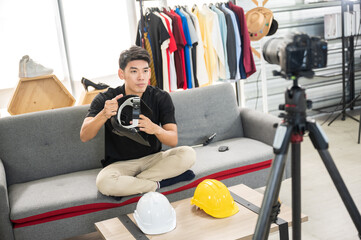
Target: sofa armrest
[6,229]
[258,125]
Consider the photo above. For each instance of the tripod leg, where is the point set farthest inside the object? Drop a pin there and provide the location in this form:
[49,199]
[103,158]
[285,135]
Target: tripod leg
[320,142]
[282,139]
[359,129]
[343,112]
[336,118]
[296,191]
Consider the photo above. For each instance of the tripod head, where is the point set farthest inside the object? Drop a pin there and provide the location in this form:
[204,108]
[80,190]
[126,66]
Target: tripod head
[296,102]
[294,75]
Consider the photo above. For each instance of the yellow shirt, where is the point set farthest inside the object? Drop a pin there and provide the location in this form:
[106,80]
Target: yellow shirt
[205,23]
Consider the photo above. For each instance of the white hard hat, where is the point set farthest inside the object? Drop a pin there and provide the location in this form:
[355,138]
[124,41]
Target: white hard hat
[154,214]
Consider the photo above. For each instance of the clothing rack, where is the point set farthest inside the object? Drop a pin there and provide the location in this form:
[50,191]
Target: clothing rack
[239,83]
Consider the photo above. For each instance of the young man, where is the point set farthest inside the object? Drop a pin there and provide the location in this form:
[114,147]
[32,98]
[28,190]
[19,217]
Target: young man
[129,167]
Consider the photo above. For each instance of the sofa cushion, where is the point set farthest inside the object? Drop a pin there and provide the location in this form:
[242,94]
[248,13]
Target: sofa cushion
[75,193]
[242,152]
[200,112]
[47,143]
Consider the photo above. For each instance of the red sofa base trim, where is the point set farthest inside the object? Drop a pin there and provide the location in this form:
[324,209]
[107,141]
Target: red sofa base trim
[94,207]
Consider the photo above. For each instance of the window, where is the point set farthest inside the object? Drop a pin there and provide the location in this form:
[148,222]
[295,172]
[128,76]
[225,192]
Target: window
[27,28]
[97,31]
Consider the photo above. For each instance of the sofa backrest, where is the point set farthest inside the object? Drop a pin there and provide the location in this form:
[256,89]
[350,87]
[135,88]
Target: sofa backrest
[47,143]
[200,112]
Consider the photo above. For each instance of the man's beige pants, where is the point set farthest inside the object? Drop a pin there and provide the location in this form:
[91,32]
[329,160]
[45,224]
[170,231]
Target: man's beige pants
[141,175]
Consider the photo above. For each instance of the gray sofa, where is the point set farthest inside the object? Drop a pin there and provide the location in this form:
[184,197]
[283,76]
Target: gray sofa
[47,175]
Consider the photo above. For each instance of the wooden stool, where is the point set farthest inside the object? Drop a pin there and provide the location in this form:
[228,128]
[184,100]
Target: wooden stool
[38,94]
[87,97]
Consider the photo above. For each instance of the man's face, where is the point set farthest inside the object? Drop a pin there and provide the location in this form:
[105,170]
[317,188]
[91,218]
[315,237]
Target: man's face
[136,76]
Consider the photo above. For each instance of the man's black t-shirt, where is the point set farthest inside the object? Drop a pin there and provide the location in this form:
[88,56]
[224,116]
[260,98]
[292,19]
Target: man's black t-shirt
[119,148]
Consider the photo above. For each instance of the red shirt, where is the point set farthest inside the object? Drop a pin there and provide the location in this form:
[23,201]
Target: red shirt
[179,53]
[248,61]
[172,47]
[183,82]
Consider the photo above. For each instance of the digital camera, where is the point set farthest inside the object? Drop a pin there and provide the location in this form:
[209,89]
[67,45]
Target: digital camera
[296,52]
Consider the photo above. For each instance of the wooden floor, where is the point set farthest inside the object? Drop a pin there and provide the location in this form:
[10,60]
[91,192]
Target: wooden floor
[328,217]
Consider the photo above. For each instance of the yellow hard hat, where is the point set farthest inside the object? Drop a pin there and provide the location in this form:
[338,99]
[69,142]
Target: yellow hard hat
[213,197]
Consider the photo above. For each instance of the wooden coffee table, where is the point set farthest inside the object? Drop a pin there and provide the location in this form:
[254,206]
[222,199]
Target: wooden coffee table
[193,222]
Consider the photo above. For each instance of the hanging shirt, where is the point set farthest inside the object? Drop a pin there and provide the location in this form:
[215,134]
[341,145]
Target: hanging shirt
[187,50]
[172,49]
[216,45]
[237,38]
[201,73]
[180,24]
[194,50]
[248,60]
[209,54]
[148,47]
[157,35]
[231,45]
[223,29]
[240,61]
[194,40]
[165,56]
[153,80]
[179,53]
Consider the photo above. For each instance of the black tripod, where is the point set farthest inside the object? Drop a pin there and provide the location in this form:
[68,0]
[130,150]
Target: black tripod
[343,111]
[292,129]
[350,105]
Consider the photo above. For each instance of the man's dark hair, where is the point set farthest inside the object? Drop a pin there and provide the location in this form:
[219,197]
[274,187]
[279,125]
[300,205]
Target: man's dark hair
[131,54]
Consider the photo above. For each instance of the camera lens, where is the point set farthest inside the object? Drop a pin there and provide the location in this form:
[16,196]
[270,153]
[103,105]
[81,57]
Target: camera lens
[296,52]
[271,49]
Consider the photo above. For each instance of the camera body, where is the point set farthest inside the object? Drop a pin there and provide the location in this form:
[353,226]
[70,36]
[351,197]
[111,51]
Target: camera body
[296,52]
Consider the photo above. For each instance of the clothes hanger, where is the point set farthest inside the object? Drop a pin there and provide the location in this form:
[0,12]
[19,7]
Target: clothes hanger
[194,7]
[147,11]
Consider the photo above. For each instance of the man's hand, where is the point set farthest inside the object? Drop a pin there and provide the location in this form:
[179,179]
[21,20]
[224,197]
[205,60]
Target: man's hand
[167,134]
[111,106]
[146,125]
[92,125]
